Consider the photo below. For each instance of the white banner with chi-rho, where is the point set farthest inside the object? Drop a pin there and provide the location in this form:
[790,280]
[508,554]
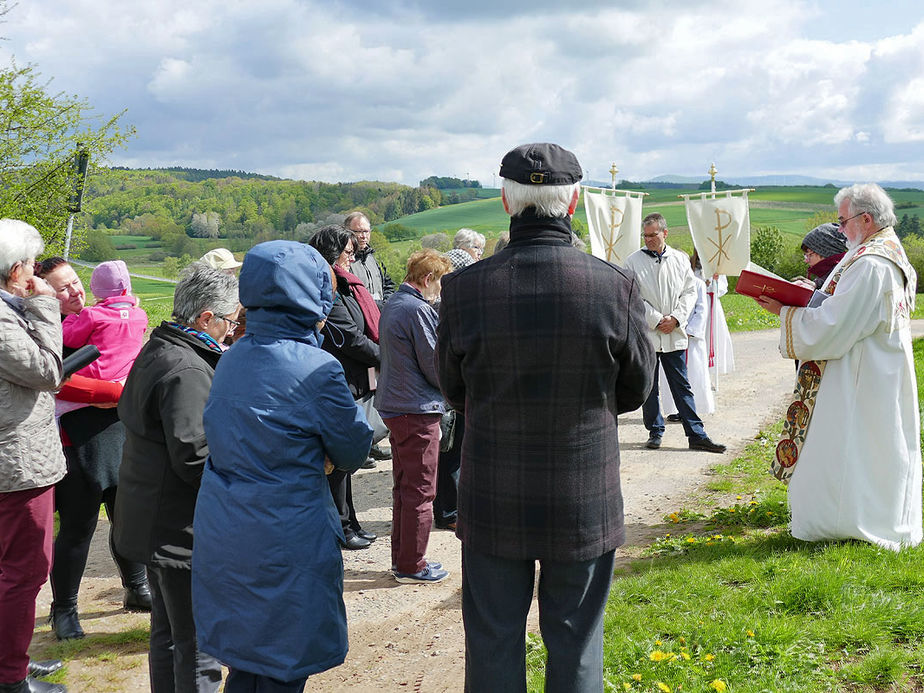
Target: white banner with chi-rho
[614,218]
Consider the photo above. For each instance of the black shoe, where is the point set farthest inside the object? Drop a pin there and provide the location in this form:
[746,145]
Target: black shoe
[654,442]
[137,598]
[706,445]
[355,542]
[31,685]
[44,668]
[65,623]
[377,453]
[368,464]
[673,418]
[36,686]
[368,536]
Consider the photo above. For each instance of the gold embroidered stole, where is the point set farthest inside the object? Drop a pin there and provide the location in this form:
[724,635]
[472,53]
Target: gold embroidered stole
[883,243]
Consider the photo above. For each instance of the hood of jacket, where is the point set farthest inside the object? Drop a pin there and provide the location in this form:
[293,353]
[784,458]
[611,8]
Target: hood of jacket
[286,288]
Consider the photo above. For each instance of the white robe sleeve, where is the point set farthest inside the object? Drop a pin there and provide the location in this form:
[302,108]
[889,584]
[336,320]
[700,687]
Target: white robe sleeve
[861,304]
[696,325]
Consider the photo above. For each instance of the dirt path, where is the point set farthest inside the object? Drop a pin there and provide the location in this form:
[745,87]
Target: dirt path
[408,637]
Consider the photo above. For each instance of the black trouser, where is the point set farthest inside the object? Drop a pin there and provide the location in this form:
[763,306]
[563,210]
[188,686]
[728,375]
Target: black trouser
[77,502]
[341,488]
[445,505]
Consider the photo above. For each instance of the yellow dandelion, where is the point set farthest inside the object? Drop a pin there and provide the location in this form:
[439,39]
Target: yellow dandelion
[750,633]
[657,656]
[738,497]
[664,687]
[683,640]
[709,657]
[627,686]
[731,510]
[718,685]
[637,677]
[685,655]
[674,517]
[667,535]
[691,540]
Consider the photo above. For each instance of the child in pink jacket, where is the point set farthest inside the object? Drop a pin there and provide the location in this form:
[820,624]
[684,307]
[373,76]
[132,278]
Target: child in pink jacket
[115,325]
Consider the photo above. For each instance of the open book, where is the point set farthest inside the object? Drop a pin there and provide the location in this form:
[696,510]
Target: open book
[756,281]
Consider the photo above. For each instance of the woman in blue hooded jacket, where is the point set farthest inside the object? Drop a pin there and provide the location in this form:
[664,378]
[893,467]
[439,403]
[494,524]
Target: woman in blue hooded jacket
[267,568]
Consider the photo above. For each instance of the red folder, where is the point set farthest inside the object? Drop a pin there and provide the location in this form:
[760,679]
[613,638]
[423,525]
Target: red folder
[754,284]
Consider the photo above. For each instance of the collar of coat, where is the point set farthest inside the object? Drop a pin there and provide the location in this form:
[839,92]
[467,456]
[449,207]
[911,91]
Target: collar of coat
[361,255]
[528,228]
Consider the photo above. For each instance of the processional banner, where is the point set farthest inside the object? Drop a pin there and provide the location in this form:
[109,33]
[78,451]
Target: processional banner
[615,221]
[721,230]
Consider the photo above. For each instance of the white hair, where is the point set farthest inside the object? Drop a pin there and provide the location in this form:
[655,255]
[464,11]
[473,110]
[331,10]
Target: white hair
[551,201]
[868,198]
[467,238]
[202,288]
[19,242]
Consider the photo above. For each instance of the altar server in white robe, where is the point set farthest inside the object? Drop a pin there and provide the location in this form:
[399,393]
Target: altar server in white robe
[858,474]
[697,360]
[716,287]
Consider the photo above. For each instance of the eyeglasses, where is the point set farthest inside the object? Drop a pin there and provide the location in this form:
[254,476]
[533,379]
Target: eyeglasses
[234,323]
[843,222]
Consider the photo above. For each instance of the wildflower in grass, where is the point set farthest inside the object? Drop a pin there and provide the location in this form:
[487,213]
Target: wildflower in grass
[683,640]
[659,656]
[663,687]
[718,685]
[674,517]
[709,657]
[691,540]
[658,643]
[738,497]
[750,633]
[637,678]
[627,686]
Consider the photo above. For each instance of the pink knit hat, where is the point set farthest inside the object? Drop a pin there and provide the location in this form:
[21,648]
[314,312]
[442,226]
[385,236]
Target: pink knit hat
[110,279]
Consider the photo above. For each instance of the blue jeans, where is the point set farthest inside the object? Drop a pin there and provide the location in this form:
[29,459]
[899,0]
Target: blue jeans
[176,663]
[496,595]
[675,370]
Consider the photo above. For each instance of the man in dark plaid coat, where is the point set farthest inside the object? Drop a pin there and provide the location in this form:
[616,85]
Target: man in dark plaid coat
[542,345]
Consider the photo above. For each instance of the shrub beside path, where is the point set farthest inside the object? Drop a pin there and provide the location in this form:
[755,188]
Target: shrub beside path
[410,637]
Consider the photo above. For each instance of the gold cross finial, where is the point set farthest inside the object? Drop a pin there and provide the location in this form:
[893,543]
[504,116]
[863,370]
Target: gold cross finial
[712,171]
[613,172]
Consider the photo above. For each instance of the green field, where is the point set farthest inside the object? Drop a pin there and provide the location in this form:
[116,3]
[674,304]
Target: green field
[488,216]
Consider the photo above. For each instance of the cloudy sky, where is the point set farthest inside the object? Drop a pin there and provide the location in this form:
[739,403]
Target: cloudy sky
[343,90]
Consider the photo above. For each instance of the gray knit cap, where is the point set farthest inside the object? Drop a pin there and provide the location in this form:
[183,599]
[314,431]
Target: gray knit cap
[826,240]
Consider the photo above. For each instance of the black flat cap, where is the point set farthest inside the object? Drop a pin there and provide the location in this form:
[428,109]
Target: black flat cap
[541,163]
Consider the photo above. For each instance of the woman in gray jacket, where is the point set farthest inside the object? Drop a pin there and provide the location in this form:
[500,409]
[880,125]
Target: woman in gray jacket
[31,460]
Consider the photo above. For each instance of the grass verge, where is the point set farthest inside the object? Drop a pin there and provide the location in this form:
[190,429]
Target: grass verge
[726,600]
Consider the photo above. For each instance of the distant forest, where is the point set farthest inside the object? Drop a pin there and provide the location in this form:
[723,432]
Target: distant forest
[174,204]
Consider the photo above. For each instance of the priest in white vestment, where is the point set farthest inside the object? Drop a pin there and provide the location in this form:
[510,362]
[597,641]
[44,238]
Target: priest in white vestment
[858,473]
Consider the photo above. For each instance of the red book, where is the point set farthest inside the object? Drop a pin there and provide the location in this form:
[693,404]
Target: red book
[755,284]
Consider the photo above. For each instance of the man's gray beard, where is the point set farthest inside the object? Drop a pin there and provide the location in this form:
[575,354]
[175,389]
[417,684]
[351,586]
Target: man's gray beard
[851,245]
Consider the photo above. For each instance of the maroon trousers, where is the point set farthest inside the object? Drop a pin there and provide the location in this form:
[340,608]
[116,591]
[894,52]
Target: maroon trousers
[26,533]
[415,448]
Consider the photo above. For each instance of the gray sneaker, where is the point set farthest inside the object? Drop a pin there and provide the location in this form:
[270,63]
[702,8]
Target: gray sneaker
[428,574]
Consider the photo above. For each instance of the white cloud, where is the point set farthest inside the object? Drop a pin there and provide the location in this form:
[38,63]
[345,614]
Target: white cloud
[347,91]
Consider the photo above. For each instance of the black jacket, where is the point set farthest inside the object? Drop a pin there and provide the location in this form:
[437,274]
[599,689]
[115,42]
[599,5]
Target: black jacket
[345,338]
[165,448]
[542,346]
